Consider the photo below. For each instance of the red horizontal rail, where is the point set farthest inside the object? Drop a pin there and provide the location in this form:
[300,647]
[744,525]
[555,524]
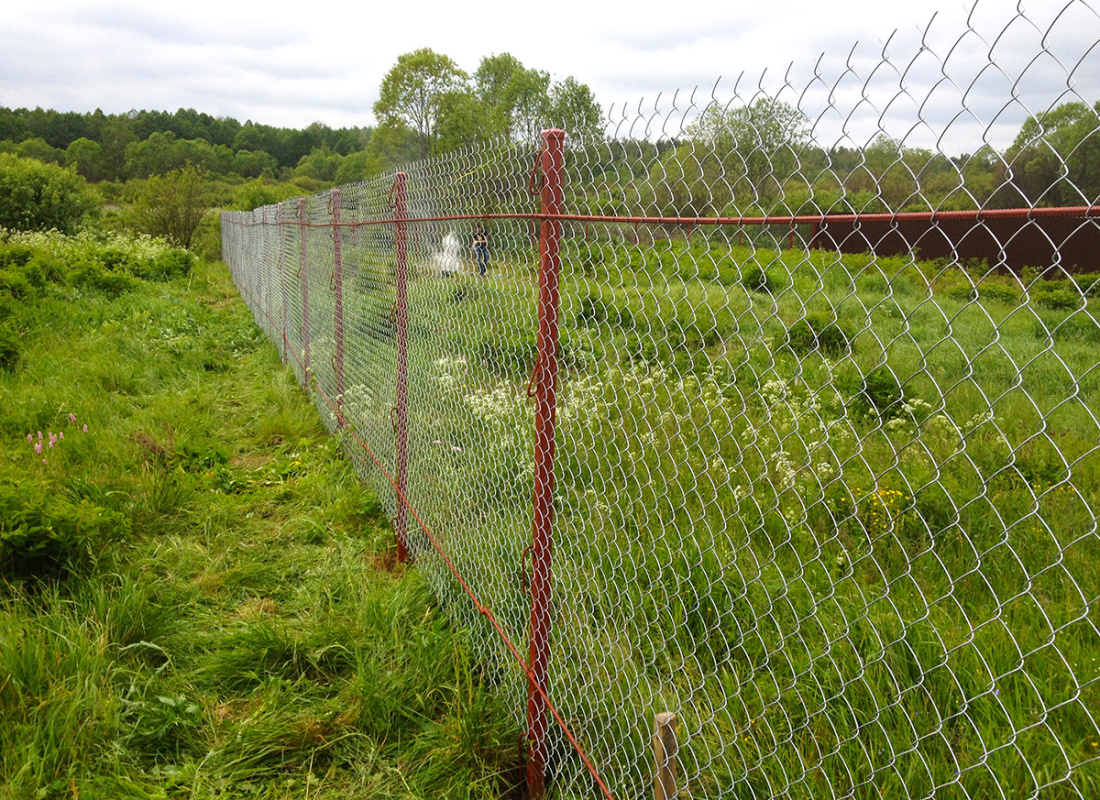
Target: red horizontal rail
[974,215]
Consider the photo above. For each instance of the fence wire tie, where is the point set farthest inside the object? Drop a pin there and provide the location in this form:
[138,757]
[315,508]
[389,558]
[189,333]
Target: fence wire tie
[389,198]
[531,178]
[524,577]
[536,376]
[393,418]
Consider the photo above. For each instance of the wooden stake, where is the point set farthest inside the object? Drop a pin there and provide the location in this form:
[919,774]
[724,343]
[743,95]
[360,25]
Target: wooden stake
[664,754]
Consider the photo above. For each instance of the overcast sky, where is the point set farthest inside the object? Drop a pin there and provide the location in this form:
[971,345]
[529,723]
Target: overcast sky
[292,63]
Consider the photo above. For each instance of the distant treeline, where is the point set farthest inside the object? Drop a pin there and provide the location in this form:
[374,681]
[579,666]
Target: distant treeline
[139,144]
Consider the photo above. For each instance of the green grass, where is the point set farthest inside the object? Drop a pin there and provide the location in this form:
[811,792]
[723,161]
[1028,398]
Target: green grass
[861,567]
[218,612]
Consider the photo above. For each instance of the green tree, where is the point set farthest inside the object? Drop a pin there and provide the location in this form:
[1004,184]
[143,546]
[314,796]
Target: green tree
[254,164]
[116,136]
[414,92]
[88,159]
[37,197]
[257,193]
[743,158]
[321,165]
[757,145]
[1055,159]
[39,150]
[573,108]
[172,205]
[391,145]
[515,100]
[353,167]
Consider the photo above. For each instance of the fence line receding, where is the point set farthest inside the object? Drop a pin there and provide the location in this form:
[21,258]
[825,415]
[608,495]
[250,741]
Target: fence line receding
[788,440]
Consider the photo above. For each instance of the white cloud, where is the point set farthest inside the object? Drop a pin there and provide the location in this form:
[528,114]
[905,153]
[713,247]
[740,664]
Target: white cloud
[292,63]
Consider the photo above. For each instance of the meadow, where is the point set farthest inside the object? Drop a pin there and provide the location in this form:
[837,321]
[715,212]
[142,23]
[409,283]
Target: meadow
[837,512]
[198,597]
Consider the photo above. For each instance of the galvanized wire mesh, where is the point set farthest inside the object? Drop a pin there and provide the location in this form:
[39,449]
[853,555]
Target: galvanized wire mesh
[826,482]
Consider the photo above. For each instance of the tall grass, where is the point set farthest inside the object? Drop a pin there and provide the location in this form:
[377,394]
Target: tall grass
[219,614]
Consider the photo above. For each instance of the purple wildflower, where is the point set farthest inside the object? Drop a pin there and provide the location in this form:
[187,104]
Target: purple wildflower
[38,447]
[61,436]
[30,437]
[72,417]
[85,427]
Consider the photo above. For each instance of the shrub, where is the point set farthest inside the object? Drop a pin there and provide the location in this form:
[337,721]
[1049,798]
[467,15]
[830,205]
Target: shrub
[9,349]
[817,332]
[15,283]
[40,197]
[91,276]
[755,279]
[44,534]
[1088,283]
[880,392]
[1057,299]
[172,205]
[507,358]
[165,266]
[999,292]
[989,291]
[595,310]
[15,255]
[961,292]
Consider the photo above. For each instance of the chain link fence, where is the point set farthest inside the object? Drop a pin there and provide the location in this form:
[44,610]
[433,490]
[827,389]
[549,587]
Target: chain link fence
[817,409]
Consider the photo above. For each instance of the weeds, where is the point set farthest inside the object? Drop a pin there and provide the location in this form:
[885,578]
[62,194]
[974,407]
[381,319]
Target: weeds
[192,601]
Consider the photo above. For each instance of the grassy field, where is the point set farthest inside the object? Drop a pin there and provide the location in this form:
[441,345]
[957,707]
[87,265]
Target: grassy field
[198,598]
[837,512]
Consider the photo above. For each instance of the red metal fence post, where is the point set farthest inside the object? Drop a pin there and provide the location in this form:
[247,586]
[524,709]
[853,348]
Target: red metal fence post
[282,273]
[303,229]
[338,292]
[261,273]
[544,387]
[401,332]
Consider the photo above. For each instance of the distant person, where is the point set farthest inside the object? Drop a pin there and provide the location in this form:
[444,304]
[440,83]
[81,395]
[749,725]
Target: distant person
[481,250]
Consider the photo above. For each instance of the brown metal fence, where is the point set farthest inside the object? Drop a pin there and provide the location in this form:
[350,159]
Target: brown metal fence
[714,435]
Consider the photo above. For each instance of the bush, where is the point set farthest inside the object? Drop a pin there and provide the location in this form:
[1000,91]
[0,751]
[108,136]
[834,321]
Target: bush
[996,292]
[595,310]
[817,332]
[171,206]
[880,392]
[1057,299]
[92,276]
[15,284]
[1088,283]
[40,197]
[166,266]
[9,349]
[1000,293]
[44,534]
[756,279]
[508,358]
